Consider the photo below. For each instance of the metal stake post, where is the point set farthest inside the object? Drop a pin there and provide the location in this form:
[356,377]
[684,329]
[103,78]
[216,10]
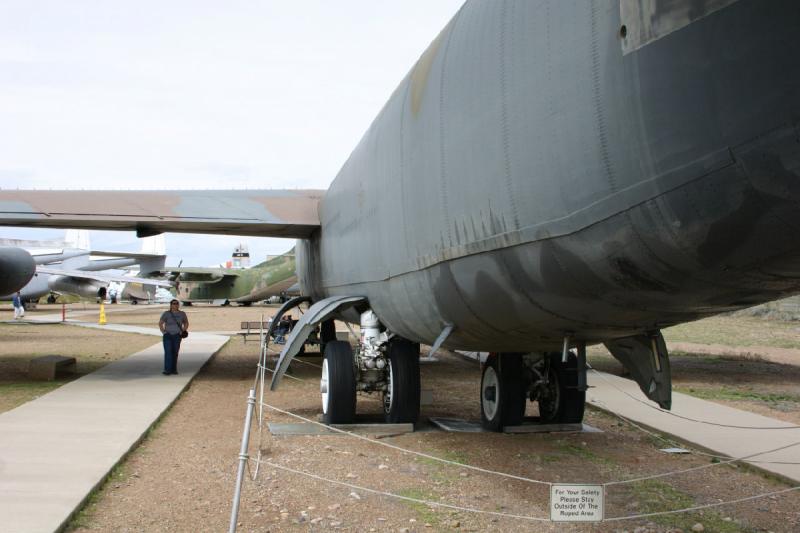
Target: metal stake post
[251,401]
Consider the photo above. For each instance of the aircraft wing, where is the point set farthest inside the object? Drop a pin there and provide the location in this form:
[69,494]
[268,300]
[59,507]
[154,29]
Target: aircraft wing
[127,255]
[97,276]
[200,274]
[262,213]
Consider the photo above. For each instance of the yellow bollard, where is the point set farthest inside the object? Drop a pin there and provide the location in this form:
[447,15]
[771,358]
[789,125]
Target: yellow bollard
[102,320]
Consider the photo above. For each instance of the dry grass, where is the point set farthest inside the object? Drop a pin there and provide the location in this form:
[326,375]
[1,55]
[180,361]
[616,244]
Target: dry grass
[22,342]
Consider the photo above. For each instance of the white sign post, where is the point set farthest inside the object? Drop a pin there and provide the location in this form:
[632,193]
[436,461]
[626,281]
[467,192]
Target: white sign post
[576,503]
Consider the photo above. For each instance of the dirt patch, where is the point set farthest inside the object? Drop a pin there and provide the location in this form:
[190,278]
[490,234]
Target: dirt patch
[181,478]
[91,348]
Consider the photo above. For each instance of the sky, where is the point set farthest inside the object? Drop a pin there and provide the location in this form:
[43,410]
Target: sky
[196,95]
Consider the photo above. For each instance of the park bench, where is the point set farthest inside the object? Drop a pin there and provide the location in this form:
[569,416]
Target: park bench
[46,366]
[254,328]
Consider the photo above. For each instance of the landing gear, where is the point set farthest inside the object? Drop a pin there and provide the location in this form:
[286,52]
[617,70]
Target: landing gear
[502,391]
[401,397]
[338,384]
[560,401]
[381,363]
[509,380]
[51,299]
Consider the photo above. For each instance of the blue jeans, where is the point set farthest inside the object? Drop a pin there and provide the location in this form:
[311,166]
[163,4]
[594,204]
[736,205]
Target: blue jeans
[172,344]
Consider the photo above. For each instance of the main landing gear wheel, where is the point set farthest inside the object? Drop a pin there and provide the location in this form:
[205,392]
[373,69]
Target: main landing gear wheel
[338,384]
[503,398]
[563,403]
[401,398]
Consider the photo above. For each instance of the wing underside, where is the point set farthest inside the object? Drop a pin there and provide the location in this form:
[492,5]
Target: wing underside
[102,277]
[262,213]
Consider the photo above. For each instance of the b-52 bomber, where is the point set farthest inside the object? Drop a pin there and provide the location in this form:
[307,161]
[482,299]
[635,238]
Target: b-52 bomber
[550,174]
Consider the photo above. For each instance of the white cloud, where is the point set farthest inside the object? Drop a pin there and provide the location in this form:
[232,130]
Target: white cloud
[198,94]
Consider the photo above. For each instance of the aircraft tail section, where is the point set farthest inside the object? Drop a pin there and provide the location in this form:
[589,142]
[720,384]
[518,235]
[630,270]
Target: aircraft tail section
[155,245]
[77,239]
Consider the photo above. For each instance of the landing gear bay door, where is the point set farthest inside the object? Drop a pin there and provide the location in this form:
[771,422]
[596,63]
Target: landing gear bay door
[646,358]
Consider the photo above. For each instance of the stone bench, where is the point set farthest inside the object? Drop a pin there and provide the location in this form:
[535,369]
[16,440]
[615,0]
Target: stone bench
[46,366]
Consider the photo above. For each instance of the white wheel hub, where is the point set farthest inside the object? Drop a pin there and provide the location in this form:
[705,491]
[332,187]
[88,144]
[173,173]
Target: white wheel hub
[387,396]
[324,386]
[490,387]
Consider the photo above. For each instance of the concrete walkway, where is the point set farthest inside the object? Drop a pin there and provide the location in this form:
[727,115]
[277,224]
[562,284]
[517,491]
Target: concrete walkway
[608,392]
[56,449]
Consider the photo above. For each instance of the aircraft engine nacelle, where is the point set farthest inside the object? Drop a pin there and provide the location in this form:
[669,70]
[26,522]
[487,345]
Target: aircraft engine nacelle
[17,267]
[81,287]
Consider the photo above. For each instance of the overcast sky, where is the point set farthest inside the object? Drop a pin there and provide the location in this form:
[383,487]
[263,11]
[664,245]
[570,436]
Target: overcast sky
[197,94]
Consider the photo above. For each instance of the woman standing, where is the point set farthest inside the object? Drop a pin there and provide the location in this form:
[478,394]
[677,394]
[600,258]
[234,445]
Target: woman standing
[174,325]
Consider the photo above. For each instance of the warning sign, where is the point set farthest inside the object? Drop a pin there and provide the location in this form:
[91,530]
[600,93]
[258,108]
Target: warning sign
[576,503]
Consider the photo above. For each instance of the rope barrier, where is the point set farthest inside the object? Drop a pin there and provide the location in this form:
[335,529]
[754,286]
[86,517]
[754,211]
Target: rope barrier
[406,451]
[401,497]
[516,516]
[670,413]
[261,371]
[701,507]
[694,451]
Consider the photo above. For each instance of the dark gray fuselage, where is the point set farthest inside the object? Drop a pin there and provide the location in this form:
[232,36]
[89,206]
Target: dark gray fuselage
[533,177]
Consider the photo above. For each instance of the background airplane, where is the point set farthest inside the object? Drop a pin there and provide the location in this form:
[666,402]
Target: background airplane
[548,175]
[273,277]
[67,267]
[17,268]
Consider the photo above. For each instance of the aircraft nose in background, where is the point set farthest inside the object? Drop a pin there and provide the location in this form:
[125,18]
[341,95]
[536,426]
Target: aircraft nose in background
[17,267]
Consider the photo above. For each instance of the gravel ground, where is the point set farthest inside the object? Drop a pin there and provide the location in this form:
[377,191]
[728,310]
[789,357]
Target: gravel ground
[181,478]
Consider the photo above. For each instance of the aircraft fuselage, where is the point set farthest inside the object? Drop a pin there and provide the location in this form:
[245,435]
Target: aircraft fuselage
[538,174]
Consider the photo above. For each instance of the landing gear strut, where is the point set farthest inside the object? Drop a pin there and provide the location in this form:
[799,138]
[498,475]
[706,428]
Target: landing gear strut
[560,400]
[509,380]
[381,363]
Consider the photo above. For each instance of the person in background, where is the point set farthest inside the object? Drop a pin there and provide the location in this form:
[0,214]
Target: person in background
[284,327]
[174,325]
[19,307]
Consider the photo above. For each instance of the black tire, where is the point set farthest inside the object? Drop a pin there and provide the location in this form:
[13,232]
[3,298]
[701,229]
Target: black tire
[340,384]
[51,299]
[503,398]
[327,333]
[568,403]
[401,403]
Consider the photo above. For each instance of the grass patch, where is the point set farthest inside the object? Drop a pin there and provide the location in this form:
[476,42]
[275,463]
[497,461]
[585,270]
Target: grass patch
[82,519]
[442,473]
[655,496]
[16,393]
[425,513]
[736,331]
[582,452]
[725,393]
[448,455]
